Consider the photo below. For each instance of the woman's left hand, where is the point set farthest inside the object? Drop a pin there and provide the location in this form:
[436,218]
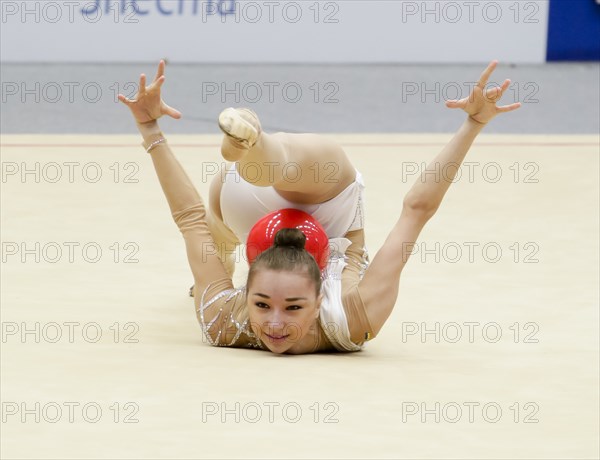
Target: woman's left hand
[481,103]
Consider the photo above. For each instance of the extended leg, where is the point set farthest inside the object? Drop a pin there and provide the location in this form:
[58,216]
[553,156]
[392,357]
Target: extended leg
[305,168]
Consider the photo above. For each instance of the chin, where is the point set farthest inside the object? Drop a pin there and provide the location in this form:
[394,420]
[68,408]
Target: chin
[278,349]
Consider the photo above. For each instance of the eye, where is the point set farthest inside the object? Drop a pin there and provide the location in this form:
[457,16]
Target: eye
[261,305]
[293,307]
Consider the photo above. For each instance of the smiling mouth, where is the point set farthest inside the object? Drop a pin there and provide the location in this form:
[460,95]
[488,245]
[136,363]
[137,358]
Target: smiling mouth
[277,338]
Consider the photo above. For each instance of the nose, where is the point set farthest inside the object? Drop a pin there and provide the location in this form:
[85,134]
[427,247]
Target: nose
[274,324]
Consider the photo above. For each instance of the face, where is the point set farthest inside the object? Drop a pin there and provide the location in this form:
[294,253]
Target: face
[283,306]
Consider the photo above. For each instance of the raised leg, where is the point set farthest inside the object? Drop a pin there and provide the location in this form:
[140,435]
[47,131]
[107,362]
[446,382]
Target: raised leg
[305,168]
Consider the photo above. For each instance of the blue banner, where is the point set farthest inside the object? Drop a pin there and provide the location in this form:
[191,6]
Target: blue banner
[574,30]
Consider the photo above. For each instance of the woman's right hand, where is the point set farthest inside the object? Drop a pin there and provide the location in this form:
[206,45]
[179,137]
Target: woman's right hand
[148,106]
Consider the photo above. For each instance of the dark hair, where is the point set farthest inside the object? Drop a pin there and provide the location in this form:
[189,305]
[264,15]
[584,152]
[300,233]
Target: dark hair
[288,254]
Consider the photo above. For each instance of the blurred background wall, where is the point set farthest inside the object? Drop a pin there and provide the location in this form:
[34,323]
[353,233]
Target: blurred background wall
[310,31]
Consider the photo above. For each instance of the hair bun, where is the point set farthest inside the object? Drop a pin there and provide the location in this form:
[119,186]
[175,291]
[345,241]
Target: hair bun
[290,237]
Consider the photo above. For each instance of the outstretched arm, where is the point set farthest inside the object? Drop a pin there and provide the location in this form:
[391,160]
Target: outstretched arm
[187,207]
[429,190]
[379,287]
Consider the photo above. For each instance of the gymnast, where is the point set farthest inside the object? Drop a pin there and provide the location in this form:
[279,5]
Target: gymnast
[290,303]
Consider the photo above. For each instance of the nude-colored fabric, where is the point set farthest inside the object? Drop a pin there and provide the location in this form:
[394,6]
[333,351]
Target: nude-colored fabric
[305,168]
[357,261]
[225,240]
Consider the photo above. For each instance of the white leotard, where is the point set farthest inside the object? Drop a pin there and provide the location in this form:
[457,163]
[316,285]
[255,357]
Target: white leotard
[243,204]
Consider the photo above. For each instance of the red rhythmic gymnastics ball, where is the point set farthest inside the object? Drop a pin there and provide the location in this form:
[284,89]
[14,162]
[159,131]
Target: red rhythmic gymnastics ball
[262,235]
